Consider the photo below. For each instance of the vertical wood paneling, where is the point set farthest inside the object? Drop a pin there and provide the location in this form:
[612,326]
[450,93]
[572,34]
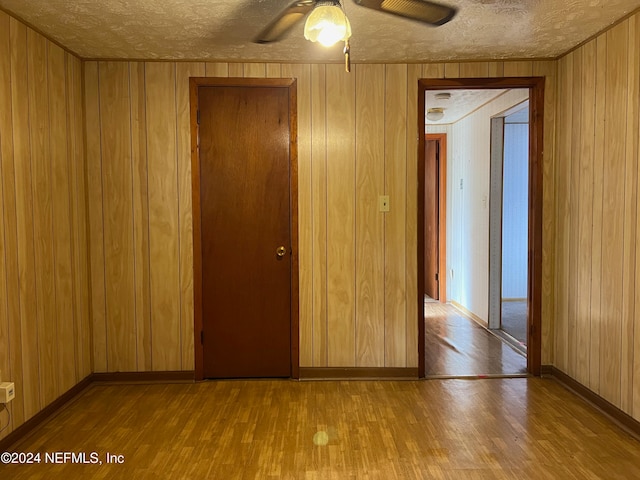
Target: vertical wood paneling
[612,212]
[61,210]
[77,170]
[42,327]
[411,346]
[163,215]
[433,70]
[585,199]
[140,198]
[183,72]
[629,287]
[42,214]
[563,181]
[474,69]
[597,246]
[370,83]
[575,212]
[217,69]
[29,383]
[518,69]
[395,219]
[635,410]
[496,69]
[548,69]
[319,204]
[10,318]
[115,132]
[274,70]
[340,100]
[236,70]
[96,215]
[257,70]
[451,70]
[302,73]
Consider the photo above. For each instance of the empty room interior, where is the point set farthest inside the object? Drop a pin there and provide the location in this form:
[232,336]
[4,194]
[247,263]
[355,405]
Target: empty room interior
[226,250]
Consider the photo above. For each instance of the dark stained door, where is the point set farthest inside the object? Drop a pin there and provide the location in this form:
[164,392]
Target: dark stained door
[431,220]
[245,230]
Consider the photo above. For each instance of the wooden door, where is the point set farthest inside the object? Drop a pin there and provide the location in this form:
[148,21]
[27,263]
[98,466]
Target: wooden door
[245,205]
[431,220]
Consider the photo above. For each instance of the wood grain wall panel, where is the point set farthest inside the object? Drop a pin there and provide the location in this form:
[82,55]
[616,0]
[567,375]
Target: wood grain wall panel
[61,210]
[163,215]
[584,161]
[629,306]
[96,216]
[42,214]
[563,182]
[474,69]
[576,209]
[236,70]
[274,70]
[548,69]
[451,70]
[29,383]
[414,73]
[518,69]
[635,408]
[319,205]
[596,245]
[78,206]
[115,133]
[183,72]
[395,220]
[216,69]
[370,113]
[256,70]
[496,69]
[612,214]
[140,198]
[302,72]
[433,70]
[10,320]
[340,101]
[38,322]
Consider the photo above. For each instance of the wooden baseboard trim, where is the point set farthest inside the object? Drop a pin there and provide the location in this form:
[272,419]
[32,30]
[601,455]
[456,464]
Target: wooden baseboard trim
[144,377]
[627,422]
[354,373]
[469,314]
[27,427]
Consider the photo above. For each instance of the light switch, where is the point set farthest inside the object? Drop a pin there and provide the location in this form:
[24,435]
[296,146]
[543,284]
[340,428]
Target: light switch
[383,202]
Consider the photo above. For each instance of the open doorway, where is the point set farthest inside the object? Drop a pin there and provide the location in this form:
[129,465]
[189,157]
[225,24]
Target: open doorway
[475,248]
[508,225]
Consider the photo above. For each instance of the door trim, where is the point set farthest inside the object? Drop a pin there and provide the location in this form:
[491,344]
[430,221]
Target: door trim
[536,134]
[441,138]
[290,84]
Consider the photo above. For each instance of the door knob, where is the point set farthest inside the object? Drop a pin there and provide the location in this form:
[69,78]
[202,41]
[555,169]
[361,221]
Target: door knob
[280,251]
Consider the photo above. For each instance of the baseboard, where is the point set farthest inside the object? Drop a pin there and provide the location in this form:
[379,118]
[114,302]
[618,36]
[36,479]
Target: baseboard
[352,373]
[470,314]
[27,427]
[626,421]
[144,377]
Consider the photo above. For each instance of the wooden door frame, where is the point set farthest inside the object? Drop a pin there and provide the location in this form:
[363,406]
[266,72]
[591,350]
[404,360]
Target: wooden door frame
[441,138]
[291,85]
[536,134]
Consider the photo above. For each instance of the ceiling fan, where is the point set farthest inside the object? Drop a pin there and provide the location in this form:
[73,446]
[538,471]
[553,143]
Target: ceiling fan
[424,11]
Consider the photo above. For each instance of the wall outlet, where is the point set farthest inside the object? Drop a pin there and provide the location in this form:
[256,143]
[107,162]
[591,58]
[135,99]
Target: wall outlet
[7,392]
[383,203]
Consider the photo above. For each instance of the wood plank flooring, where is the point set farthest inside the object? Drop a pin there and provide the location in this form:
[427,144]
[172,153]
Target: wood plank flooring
[457,346]
[524,428]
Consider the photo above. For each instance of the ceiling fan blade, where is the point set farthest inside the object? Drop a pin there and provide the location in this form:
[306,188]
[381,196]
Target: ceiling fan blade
[285,21]
[420,10]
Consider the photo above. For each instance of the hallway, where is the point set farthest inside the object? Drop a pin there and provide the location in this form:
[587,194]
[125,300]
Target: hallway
[456,346]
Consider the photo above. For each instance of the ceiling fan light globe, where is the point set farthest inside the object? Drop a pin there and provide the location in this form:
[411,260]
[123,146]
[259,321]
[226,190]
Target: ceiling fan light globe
[327,25]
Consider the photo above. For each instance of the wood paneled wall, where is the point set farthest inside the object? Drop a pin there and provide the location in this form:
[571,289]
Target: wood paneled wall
[45,344]
[598,264]
[358,268]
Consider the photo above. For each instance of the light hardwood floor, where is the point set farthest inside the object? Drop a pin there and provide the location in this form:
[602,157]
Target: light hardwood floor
[524,428]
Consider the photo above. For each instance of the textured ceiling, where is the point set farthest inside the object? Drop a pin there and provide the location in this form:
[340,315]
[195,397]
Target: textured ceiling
[460,104]
[223,29]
